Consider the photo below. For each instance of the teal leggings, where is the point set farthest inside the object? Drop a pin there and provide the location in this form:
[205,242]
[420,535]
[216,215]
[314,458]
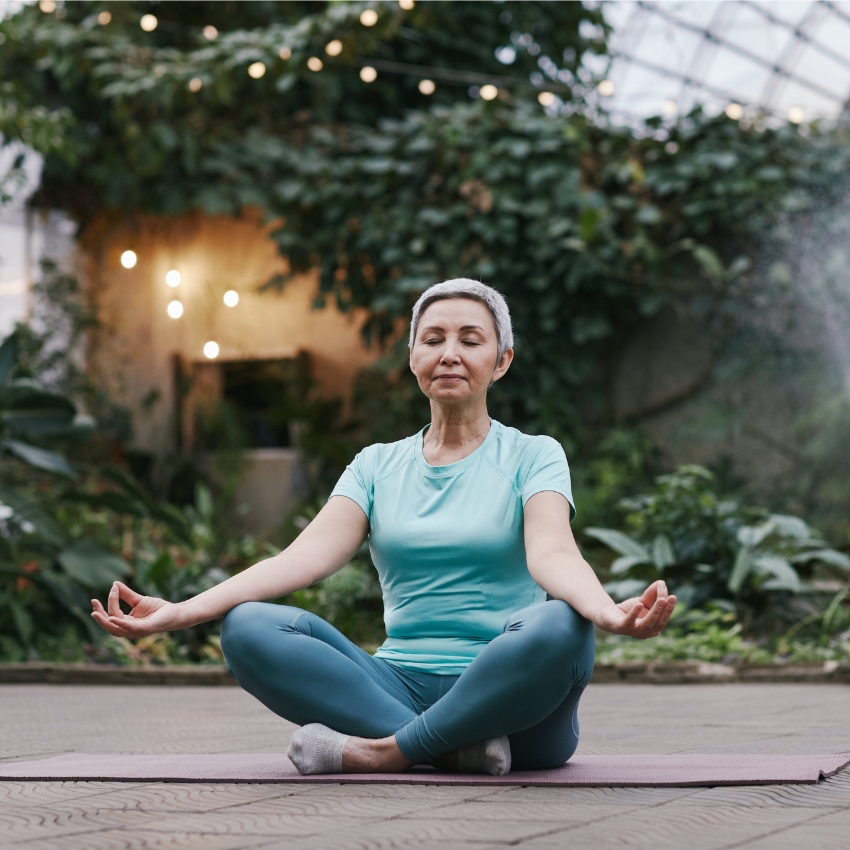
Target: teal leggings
[526,683]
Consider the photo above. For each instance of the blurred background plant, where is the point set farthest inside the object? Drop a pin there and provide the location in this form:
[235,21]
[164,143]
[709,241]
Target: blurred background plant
[382,186]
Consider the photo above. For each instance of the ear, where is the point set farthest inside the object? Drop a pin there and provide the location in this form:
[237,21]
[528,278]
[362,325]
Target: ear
[504,364]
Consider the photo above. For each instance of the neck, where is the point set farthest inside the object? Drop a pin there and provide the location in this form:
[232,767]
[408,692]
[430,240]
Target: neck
[457,428]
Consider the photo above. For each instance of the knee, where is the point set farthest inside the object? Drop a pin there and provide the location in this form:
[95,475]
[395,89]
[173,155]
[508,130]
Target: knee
[238,629]
[554,632]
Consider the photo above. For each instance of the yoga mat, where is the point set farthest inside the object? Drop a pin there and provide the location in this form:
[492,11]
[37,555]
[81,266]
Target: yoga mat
[618,770]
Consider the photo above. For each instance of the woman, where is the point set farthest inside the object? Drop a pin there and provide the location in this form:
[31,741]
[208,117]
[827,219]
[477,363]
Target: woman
[469,527]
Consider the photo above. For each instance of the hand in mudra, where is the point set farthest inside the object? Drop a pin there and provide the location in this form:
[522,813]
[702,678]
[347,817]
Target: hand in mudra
[148,615]
[642,616]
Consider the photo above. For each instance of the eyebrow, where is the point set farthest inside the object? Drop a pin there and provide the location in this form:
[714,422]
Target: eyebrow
[464,328]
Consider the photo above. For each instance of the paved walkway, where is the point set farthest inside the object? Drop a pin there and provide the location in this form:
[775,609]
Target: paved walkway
[44,720]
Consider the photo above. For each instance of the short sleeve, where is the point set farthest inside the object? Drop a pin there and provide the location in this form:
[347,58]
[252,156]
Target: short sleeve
[357,483]
[549,470]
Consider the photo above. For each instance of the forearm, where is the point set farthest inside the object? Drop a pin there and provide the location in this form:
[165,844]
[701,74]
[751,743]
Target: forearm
[268,579]
[569,577]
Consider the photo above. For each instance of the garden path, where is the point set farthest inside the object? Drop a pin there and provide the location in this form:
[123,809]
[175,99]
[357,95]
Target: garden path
[44,720]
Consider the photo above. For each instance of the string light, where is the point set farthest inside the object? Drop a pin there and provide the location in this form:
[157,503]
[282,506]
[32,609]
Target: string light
[175,309]
[285,53]
[47,6]
[333,48]
[128,259]
[368,74]
[195,84]
[427,87]
[231,298]
[368,17]
[488,92]
[211,350]
[210,32]
[734,111]
[606,88]
[407,5]
[173,278]
[148,23]
[104,18]
[256,70]
[670,107]
[315,64]
[796,114]
[546,98]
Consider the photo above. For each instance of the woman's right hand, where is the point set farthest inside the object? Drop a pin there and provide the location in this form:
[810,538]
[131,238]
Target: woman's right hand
[148,615]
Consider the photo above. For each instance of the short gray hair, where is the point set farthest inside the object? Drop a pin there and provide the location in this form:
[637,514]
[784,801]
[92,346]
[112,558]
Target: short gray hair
[463,287]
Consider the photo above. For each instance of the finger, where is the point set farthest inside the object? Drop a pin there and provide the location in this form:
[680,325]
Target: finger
[108,625]
[666,613]
[112,601]
[128,594]
[632,615]
[648,623]
[96,606]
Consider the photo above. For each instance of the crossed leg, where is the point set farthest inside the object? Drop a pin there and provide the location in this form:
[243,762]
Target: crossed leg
[526,684]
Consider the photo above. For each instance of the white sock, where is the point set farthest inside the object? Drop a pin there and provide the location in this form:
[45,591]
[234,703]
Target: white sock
[492,756]
[316,749]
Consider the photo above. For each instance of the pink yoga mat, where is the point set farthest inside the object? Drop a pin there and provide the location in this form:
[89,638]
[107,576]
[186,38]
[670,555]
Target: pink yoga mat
[618,770]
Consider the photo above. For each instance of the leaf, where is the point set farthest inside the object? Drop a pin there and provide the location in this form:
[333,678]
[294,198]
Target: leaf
[625,563]
[709,261]
[827,556]
[626,589]
[662,552]
[23,620]
[619,542]
[39,458]
[8,356]
[785,576]
[31,512]
[754,535]
[791,526]
[92,565]
[741,568]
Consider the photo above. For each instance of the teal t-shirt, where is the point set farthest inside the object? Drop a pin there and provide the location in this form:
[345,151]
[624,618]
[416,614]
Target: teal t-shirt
[448,541]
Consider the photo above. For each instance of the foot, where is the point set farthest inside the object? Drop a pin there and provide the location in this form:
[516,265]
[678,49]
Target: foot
[492,756]
[373,755]
[316,749]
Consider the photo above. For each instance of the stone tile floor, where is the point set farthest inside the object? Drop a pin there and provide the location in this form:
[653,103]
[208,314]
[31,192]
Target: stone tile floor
[37,721]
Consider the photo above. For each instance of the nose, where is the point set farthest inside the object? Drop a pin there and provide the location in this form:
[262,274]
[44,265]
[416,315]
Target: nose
[451,352]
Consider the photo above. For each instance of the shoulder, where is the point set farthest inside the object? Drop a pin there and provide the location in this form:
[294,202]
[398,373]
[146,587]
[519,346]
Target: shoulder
[382,459]
[513,449]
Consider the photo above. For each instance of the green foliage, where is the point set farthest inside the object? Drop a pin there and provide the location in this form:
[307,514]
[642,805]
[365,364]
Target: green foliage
[711,550]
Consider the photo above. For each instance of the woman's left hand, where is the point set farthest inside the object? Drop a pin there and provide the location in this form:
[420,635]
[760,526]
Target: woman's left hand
[640,617]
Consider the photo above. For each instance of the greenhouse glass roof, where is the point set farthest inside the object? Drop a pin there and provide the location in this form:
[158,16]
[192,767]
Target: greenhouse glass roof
[788,59]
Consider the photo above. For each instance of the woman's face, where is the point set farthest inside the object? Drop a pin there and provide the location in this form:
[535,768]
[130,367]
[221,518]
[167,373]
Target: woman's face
[455,353]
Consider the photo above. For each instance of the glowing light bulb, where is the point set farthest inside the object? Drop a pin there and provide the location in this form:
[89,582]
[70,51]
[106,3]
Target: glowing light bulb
[427,87]
[368,74]
[546,98]
[128,259]
[606,88]
[285,53]
[670,107]
[796,114]
[104,18]
[315,64]
[231,298]
[407,5]
[333,48]
[368,17]
[174,309]
[488,92]
[211,350]
[256,70]
[149,23]
[195,84]
[210,32]
[173,278]
[734,111]
[47,6]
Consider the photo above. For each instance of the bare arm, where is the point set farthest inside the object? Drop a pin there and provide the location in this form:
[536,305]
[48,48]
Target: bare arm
[324,547]
[556,564]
